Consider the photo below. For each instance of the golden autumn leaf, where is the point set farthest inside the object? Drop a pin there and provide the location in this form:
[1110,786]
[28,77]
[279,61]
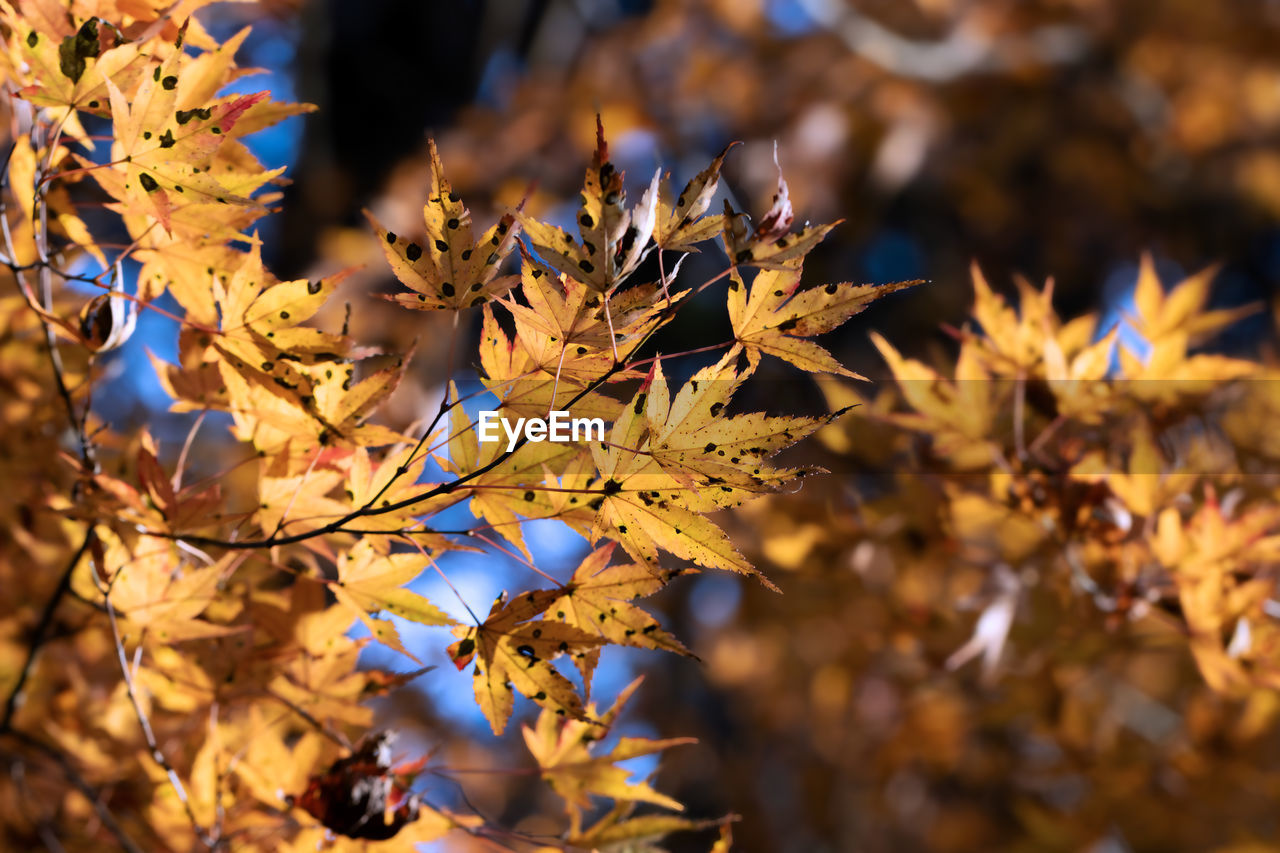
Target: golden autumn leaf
[512,653]
[598,600]
[161,154]
[369,582]
[682,224]
[450,269]
[70,69]
[773,317]
[613,239]
[643,507]
[563,751]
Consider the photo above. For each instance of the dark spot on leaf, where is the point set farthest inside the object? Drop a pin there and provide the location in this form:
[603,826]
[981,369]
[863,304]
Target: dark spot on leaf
[466,254]
[586,266]
[447,289]
[413,251]
[716,409]
[391,236]
[33,39]
[452,223]
[148,183]
[169,83]
[313,287]
[831,289]
[528,496]
[184,116]
[284,315]
[709,448]
[612,487]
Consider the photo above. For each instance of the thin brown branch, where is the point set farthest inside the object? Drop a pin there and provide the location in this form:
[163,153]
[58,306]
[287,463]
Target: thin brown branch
[41,631]
[157,754]
[82,785]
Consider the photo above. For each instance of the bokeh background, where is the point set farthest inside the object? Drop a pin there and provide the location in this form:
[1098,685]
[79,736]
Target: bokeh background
[1040,138]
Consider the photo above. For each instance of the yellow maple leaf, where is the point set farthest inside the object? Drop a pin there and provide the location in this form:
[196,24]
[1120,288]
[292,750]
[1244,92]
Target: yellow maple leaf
[772,318]
[562,749]
[451,271]
[512,653]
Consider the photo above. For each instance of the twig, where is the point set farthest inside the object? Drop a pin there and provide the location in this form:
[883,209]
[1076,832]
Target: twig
[50,339]
[82,785]
[43,624]
[157,754]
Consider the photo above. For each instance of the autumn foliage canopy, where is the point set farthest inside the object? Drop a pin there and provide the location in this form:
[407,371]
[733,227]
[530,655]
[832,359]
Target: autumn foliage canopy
[183,641]
[1050,504]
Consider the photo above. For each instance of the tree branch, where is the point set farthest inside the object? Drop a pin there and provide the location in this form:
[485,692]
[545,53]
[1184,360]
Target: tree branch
[43,625]
[80,784]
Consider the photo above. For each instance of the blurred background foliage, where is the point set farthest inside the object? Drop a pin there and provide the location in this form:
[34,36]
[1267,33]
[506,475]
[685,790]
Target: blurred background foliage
[1037,137]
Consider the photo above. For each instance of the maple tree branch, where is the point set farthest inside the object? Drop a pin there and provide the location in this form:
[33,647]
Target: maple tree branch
[43,625]
[336,736]
[87,454]
[436,491]
[82,785]
[368,509]
[144,722]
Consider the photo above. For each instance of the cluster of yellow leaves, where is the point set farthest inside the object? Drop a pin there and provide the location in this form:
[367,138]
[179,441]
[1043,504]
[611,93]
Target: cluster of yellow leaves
[1042,573]
[216,607]
[1121,473]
